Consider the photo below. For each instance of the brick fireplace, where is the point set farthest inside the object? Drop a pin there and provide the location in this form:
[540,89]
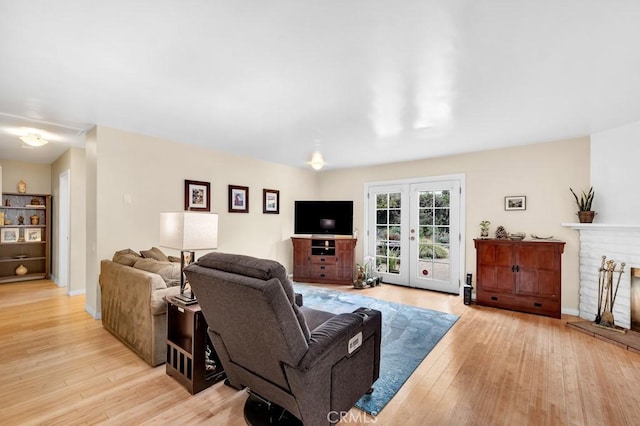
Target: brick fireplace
[620,243]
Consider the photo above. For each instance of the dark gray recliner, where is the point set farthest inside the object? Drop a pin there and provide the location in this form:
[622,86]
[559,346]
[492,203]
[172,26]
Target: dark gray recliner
[314,364]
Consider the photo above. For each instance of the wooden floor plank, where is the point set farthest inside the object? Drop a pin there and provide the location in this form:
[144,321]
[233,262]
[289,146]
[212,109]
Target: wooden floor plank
[494,367]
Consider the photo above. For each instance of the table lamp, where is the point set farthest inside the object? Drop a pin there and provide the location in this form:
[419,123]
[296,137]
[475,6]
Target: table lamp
[188,231]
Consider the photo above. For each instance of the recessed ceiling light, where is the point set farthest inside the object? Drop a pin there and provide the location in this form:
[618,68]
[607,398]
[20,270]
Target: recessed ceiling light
[33,140]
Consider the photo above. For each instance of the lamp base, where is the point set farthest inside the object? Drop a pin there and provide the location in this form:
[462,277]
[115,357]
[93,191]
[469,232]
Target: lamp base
[184,299]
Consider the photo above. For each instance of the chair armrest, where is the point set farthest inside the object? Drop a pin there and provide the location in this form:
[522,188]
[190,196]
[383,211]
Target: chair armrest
[332,338]
[298,299]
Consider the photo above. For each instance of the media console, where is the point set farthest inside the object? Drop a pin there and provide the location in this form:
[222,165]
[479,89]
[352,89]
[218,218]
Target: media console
[324,259]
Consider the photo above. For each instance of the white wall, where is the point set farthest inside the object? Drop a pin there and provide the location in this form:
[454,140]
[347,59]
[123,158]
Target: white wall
[542,172]
[152,171]
[614,163]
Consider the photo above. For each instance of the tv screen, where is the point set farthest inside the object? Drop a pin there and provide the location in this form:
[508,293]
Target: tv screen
[324,217]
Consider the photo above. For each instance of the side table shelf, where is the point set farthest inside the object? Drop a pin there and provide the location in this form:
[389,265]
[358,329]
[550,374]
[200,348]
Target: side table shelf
[191,358]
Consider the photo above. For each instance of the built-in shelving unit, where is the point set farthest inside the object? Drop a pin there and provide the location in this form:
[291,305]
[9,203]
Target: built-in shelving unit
[25,236]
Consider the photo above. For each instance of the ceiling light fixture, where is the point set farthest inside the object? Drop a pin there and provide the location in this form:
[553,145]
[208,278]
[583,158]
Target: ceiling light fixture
[33,140]
[317,162]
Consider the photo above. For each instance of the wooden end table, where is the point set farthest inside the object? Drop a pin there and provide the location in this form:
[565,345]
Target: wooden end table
[191,358]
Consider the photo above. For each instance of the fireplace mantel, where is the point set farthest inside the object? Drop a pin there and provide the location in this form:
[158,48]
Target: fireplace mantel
[601,226]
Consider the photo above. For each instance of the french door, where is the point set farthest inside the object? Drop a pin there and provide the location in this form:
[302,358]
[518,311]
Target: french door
[414,233]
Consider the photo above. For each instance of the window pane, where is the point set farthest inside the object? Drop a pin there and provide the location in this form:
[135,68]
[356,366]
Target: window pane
[441,198]
[394,200]
[394,233]
[442,217]
[442,235]
[426,217]
[425,252]
[426,233]
[426,199]
[394,216]
[382,217]
[381,201]
[382,233]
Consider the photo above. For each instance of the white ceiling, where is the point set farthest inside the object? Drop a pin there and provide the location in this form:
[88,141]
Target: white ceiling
[365,81]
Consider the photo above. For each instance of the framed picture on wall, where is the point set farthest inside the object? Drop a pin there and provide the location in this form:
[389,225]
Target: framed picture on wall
[518,202]
[238,199]
[197,195]
[270,201]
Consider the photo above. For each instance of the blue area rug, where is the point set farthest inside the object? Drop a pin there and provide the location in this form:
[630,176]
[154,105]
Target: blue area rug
[408,335]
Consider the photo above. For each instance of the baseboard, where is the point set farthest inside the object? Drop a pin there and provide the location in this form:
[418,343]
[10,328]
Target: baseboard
[568,311]
[94,314]
[77,292]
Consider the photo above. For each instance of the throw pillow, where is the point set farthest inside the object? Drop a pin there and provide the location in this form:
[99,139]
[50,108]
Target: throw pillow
[126,257]
[169,271]
[154,253]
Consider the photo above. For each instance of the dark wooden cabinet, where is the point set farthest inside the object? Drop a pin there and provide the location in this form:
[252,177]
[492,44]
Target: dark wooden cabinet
[191,358]
[324,260]
[520,275]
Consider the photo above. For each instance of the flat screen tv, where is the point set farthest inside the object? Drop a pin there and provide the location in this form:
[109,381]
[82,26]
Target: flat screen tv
[324,217]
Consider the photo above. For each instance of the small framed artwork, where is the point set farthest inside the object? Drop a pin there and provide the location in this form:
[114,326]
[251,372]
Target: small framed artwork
[238,199]
[197,195]
[518,202]
[33,235]
[271,201]
[9,235]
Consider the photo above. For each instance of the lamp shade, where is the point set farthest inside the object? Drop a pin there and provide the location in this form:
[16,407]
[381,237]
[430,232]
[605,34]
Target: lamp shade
[189,230]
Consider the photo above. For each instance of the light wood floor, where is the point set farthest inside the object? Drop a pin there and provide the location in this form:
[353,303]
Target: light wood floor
[494,367]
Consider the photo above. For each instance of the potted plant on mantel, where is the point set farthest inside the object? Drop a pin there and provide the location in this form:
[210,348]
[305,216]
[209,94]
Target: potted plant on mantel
[585,214]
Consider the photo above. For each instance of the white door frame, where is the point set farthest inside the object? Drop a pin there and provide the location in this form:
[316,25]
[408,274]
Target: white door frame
[459,177]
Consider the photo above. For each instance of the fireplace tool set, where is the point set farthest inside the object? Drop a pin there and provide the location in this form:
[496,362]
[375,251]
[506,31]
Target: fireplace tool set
[607,293]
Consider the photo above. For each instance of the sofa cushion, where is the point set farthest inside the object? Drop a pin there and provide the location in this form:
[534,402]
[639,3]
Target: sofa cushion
[154,253]
[263,269]
[126,257]
[169,271]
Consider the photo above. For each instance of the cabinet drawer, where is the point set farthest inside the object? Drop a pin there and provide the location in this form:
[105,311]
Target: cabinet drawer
[534,305]
[323,260]
[323,271]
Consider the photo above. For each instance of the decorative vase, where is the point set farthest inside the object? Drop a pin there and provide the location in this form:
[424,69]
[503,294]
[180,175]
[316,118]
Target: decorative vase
[586,216]
[21,270]
[22,187]
[35,220]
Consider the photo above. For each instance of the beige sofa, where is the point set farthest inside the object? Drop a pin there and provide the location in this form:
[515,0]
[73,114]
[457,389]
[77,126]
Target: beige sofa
[133,290]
